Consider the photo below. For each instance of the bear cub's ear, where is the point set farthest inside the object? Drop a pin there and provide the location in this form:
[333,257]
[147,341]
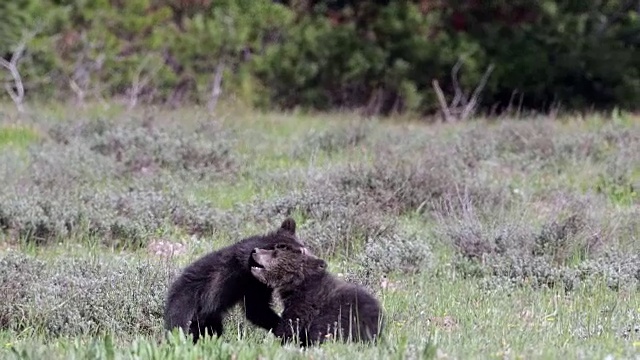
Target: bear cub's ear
[288,225]
[319,264]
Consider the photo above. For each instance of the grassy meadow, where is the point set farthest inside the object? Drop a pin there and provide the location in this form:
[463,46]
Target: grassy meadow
[494,239]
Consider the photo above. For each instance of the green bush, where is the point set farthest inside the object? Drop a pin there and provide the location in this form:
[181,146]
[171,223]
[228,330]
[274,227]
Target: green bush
[380,56]
[386,65]
[573,54]
[228,34]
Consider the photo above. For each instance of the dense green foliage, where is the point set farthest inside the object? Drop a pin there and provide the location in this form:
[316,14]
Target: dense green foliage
[381,56]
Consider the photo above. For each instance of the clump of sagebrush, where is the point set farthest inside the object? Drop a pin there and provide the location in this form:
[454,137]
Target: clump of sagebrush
[482,160]
[37,218]
[65,132]
[118,181]
[521,270]
[569,226]
[331,221]
[570,243]
[545,142]
[396,252]
[72,296]
[619,178]
[143,147]
[531,140]
[564,238]
[617,270]
[475,232]
[417,184]
[620,139]
[334,139]
[538,142]
[548,142]
[125,216]
[473,144]
[335,223]
[401,184]
[53,165]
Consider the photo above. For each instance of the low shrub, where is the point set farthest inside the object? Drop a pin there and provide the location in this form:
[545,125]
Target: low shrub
[333,140]
[141,147]
[402,183]
[72,296]
[619,271]
[335,223]
[112,215]
[332,222]
[572,243]
[119,181]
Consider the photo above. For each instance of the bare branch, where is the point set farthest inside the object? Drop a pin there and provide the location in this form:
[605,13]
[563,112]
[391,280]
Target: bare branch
[443,102]
[471,106]
[519,113]
[454,112]
[374,105]
[459,95]
[216,89]
[80,93]
[140,82]
[510,104]
[80,79]
[17,94]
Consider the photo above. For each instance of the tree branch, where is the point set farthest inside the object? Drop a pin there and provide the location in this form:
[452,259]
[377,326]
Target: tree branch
[17,94]
[443,102]
[216,88]
[471,106]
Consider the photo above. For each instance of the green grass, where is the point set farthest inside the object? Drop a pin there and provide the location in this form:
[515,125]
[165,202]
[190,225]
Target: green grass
[444,311]
[453,315]
[17,136]
[225,196]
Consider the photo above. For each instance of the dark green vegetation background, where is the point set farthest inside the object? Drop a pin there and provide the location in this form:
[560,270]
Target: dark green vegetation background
[378,55]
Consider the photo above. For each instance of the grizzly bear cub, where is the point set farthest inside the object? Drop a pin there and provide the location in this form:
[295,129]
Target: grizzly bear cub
[199,298]
[317,305]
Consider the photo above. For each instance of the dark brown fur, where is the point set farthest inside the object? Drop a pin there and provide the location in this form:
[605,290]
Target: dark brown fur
[317,305]
[200,297]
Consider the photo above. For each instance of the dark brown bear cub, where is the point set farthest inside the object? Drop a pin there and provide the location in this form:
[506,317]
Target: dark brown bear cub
[317,306]
[199,298]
